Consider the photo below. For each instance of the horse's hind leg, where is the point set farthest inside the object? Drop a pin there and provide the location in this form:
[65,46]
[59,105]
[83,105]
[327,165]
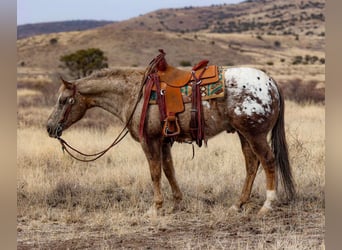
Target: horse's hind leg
[265,155]
[252,165]
[169,171]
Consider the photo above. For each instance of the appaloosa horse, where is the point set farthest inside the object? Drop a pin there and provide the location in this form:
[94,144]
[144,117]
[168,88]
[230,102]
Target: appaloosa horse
[252,106]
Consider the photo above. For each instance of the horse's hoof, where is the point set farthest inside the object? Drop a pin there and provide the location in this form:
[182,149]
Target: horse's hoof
[178,207]
[152,212]
[234,209]
[264,211]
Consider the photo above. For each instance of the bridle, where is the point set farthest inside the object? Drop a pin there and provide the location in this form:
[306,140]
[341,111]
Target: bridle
[66,147]
[71,101]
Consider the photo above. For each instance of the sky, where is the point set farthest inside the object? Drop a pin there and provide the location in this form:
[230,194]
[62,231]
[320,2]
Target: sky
[36,11]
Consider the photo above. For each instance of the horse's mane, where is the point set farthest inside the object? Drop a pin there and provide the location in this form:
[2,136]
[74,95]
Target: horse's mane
[112,72]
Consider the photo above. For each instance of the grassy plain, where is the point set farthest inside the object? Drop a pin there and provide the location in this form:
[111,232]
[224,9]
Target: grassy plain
[63,203]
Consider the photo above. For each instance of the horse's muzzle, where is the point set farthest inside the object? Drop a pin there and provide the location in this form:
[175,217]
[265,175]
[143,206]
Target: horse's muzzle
[56,131]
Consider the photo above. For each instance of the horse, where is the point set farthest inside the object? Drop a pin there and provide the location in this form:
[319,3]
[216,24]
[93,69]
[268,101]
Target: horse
[252,107]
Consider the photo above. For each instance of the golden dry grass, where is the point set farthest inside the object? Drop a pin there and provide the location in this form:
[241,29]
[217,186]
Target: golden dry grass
[63,203]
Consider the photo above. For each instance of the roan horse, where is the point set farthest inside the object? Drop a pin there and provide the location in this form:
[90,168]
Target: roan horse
[252,106]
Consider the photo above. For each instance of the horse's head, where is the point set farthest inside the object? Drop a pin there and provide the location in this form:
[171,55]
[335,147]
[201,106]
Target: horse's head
[70,107]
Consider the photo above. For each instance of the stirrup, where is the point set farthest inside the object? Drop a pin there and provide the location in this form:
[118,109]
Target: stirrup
[166,127]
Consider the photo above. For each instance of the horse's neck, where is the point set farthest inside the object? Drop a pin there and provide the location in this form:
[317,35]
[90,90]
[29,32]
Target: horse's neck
[116,93]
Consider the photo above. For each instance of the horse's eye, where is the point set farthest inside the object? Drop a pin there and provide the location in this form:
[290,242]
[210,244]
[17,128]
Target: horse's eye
[62,101]
[71,100]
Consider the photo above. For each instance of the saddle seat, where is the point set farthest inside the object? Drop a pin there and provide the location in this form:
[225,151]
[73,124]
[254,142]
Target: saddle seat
[178,78]
[173,79]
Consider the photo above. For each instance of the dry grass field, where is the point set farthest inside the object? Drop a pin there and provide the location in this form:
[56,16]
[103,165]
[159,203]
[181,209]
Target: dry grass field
[66,204]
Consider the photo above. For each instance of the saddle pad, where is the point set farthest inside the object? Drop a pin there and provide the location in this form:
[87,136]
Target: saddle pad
[208,91]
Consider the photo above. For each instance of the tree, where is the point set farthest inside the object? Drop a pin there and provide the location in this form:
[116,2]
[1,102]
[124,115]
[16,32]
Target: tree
[84,62]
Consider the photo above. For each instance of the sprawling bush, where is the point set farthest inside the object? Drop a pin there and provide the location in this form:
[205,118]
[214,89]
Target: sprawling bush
[303,92]
[83,62]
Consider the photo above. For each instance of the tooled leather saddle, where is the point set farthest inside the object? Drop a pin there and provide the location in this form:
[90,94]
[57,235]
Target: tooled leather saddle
[166,82]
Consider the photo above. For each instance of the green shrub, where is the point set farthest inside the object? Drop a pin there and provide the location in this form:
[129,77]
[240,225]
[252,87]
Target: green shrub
[277,44]
[84,62]
[297,60]
[53,41]
[185,63]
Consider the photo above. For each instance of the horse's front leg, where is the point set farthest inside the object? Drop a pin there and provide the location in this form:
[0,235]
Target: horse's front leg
[169,171]
[152,151]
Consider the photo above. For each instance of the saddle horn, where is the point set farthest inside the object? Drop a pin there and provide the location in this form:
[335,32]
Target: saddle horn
[161,62]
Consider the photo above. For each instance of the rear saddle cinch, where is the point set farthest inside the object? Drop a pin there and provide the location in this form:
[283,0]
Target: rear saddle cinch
[170,88]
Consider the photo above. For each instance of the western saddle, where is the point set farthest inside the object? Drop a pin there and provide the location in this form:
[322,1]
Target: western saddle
[166,82]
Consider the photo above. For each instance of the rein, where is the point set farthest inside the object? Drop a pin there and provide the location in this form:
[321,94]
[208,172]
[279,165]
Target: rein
[66,147]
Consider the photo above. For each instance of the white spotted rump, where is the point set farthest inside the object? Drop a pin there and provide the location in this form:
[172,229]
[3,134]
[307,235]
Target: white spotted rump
[256,88]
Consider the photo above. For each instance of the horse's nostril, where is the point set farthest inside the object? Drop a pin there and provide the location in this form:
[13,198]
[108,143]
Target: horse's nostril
[50,131]
[54,132]
[59,130]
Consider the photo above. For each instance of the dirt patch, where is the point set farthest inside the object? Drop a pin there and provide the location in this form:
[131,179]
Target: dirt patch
[299,225]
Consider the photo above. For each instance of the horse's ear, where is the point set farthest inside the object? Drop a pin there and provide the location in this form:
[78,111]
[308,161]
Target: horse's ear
[68,85]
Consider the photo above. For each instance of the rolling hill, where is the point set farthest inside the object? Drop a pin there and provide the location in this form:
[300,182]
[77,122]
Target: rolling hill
[27,30]
[273,17]
[287,39]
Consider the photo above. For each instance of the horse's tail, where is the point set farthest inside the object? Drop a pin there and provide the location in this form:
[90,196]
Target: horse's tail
[279,146]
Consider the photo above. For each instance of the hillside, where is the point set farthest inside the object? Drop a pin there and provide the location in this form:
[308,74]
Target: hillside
[272,17]
[291,51]
[28,30]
